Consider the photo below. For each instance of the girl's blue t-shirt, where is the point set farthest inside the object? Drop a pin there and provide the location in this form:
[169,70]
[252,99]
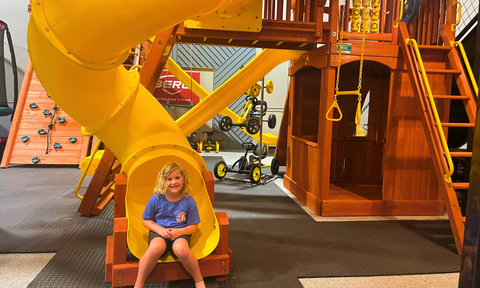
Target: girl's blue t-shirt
[168,214]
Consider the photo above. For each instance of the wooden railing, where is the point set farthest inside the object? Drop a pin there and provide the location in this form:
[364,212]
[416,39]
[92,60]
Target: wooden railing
[292,10]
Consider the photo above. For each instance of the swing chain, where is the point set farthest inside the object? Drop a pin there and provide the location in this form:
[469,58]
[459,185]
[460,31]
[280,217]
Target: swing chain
[361,62]
[340,50]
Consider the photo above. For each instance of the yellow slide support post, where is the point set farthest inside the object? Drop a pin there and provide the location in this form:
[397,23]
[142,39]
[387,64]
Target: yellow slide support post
[77,48]
[236,85]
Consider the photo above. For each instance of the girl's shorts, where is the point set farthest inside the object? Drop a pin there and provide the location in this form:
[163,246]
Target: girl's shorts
[168,242]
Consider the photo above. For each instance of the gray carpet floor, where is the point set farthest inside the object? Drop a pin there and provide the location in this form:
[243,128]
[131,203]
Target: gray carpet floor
[274,242]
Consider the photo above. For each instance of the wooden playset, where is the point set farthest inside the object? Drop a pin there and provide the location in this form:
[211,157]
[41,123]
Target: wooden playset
[345,155]
[401,166]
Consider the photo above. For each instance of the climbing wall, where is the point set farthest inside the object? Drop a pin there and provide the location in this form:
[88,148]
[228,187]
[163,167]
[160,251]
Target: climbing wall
[41,133]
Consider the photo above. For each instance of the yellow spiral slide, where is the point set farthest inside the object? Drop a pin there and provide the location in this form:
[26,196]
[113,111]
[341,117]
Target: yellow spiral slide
[77,48]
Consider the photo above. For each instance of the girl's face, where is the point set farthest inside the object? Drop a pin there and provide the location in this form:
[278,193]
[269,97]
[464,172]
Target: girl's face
[175,182]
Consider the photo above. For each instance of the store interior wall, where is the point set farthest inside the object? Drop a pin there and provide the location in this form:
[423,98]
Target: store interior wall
[15,14]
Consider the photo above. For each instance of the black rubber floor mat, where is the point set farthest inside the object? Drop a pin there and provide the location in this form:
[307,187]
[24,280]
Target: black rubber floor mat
[274,242]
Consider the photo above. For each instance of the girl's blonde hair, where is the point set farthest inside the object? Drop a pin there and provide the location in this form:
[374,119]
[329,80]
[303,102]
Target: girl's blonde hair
[161,186]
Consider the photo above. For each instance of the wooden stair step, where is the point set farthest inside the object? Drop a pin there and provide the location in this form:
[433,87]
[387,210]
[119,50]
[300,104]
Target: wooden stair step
[460,185]
[106,188]
[451,97]
[102,203]
[461,154]
[436,49]
[442,71]
[456,125]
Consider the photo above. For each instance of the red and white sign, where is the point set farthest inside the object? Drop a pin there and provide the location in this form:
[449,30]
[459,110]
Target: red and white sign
[172,91]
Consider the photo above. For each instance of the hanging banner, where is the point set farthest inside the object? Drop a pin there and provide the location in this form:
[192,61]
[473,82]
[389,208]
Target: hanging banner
[172,91]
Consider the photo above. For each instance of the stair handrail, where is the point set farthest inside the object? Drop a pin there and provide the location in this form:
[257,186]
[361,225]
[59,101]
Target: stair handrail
[443,140]
[456,2]
[467,64]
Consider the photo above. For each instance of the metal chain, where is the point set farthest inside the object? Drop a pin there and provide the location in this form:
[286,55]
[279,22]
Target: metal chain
[361,62]
[340,51]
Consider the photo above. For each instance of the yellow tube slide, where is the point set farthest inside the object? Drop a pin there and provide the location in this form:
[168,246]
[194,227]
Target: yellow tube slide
[236,85]
[81,68]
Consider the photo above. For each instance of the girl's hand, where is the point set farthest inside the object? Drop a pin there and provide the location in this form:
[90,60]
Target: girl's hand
[165,233]
[174,233]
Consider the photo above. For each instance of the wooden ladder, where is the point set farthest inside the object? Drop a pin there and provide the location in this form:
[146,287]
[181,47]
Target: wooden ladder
[432,125]
[100,190]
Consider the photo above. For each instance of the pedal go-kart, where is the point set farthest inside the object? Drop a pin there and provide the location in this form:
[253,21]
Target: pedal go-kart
[250,117]
[247,165]
[209,144]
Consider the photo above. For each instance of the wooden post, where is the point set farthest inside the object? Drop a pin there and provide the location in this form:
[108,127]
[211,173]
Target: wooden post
[210,183]
[120,192]
[153,66]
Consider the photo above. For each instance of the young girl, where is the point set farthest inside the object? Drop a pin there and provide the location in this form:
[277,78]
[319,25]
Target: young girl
[171,215]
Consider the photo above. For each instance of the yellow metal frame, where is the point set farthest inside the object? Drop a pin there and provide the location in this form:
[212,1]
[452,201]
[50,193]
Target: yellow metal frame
[447,175]
[456,2]
[246,109]
[467,65]
[85,171]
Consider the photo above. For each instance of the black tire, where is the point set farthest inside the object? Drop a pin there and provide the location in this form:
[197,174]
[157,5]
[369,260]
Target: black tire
[253,126]
[410,10]
[226,123]
[272,121]
[220,170]
[275,165]
[255,174]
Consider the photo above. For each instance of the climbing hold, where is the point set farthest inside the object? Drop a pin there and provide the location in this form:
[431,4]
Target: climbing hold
[72,139]
[42,132]
[61,119]
[25,138]
[33,105]
[47,112]
[57,145]
[48,95]
[35,159]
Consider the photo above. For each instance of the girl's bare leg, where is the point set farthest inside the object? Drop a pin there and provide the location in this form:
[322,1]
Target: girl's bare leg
[149,260]
[189,261]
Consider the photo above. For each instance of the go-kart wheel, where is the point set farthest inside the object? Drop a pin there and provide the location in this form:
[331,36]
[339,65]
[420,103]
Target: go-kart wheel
[226,123]
[255,174]
[220,170]
[253,126]
[217,147]
[272,121]
[200,147]
[269,86]
[274,166]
